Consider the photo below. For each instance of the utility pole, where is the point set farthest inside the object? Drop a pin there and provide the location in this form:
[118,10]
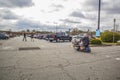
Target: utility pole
[69,31]
[99,9]
[116,27]
[114,30]
[114,24]
[56,28]
[98,29]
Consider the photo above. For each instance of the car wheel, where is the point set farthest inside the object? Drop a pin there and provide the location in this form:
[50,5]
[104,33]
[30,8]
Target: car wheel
[58,40]
[70,40]
[51,40]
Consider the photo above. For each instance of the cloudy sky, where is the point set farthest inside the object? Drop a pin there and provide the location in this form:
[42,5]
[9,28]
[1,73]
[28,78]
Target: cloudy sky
[61,14]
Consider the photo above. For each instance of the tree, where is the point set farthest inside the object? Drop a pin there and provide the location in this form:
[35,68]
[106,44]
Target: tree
[28,30]
[23,31]
[33,30]
[75,31]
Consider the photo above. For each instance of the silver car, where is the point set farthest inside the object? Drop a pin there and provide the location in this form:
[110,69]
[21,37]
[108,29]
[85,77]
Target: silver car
[76,39]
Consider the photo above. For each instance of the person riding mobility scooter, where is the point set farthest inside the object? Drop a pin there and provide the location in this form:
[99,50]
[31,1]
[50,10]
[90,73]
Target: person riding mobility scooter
[83,44]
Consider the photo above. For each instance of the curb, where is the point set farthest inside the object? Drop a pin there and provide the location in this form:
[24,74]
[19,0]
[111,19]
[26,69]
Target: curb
[104,45]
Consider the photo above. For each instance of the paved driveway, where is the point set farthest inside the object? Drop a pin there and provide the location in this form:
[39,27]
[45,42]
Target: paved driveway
[57,61]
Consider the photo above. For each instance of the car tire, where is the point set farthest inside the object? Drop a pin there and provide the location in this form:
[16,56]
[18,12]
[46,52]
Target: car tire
[51,40]
[57,40]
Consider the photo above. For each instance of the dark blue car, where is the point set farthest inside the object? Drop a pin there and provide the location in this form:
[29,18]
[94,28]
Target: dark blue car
[3,36]
[60,36]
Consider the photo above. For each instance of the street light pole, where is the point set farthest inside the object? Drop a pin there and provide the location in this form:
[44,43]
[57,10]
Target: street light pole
[56,28]
[98,29]
[99,14]
[114,31]
[114,24]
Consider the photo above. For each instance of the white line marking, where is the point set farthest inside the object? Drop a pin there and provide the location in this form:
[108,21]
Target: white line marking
[117,58]
[107,56]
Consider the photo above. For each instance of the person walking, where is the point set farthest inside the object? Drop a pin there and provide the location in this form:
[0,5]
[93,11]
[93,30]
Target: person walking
[24,37]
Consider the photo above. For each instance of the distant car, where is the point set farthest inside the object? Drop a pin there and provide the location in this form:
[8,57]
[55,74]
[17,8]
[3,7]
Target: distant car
[44,36]
[39,36]
[4,36]
[47,37]
[51,37]
[11,35]
[118,41]
[35,36]
[59,36]
[76,39]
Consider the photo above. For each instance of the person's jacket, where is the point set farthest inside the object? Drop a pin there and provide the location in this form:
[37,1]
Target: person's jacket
[85,41]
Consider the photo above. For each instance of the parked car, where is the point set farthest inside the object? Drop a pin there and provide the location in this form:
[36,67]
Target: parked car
[59,36]
[47,37]
[118,41]
[76,39]
[51,37]
[4,36]
[11,35]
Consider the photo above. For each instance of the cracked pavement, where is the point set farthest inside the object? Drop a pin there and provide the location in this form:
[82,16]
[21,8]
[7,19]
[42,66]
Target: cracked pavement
[57,61]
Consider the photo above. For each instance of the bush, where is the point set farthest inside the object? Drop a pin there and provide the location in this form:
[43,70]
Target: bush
[108,36]
[118,43]
[95,41]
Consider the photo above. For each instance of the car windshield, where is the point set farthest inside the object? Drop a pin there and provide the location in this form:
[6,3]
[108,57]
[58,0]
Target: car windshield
[60,34]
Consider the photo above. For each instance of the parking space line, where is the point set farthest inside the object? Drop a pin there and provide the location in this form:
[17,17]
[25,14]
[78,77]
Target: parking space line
[117,59]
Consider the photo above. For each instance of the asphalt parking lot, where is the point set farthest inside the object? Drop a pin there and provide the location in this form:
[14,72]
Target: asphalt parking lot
[56,61]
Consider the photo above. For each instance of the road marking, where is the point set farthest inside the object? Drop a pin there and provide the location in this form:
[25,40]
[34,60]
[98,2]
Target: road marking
[7,47]
[42,46]
[107,56]
[29,48]
[117,58]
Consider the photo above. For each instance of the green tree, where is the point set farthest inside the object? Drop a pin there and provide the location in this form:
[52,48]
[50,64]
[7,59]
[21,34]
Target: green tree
[33,30]
[28,30]
[76,31]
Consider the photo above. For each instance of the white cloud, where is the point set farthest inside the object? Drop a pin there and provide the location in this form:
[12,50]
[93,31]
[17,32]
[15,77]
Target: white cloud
[60,12]
[7,14]
[15,3]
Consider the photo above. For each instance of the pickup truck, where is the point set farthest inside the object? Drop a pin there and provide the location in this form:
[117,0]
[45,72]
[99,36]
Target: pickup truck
[60,36]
